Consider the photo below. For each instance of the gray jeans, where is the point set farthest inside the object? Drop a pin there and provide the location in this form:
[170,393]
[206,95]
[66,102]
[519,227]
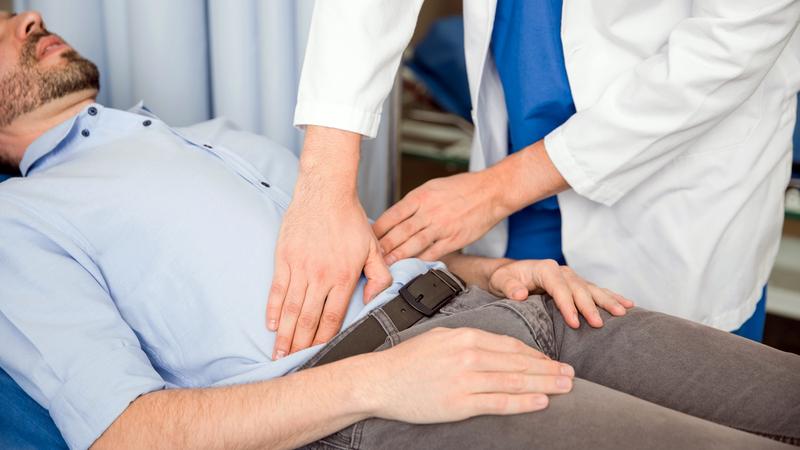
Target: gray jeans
[644,380]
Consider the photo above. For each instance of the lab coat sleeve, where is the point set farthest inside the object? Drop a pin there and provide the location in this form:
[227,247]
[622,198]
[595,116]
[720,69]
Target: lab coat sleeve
[712,63]
[353,52]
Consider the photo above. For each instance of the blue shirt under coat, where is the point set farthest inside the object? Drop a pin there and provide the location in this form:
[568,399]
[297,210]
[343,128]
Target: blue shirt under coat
[527,50]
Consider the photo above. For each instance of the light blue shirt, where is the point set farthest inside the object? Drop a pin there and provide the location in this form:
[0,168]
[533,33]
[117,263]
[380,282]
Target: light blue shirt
[135,256]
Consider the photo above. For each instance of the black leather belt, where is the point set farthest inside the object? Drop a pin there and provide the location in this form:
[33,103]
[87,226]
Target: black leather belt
[421,297]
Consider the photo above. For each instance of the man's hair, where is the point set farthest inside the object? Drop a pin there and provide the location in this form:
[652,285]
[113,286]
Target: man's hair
[27,86]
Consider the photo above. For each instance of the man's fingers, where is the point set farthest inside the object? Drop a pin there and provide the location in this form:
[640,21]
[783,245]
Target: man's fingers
[333,314]
[507,284]
[484,340]
[292,306]
[487,361]
[505,404]
[603,299]
[377,273]
[622,300]
[518,383]
[277,294]
[553,281]
[411,247]
[309,317]
[399,212]
[583,298]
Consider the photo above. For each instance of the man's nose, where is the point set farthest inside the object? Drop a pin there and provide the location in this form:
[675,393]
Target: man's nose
[29,22]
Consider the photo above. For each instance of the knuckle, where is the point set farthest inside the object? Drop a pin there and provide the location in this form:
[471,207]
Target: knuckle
[292,308]
[330,319]
[497,403]
[307,322]
[468,336]
[514,382]
[551,264]
[468,358]
[341,278]
[277,289]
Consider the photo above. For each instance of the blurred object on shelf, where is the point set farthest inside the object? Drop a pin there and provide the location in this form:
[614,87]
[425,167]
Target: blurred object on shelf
[435,129]
[438,63]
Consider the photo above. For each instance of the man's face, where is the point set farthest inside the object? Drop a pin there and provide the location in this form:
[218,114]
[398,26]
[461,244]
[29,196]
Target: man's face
[37,67]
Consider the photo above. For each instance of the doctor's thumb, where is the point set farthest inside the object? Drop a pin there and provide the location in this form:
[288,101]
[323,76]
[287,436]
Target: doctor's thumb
[377,273]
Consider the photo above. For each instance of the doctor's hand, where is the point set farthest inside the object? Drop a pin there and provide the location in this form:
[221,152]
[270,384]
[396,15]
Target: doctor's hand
[518,279]
[324,243]
[439,217]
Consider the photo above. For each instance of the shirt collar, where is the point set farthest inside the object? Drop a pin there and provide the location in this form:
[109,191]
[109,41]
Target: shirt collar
[62,134]
[46,143]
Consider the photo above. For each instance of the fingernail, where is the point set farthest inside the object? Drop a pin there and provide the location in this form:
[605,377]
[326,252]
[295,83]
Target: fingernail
[575,318]
[519,293]
[273,325]
[540,401]
[563,382]
[280,354]
[391,259]
[567,370]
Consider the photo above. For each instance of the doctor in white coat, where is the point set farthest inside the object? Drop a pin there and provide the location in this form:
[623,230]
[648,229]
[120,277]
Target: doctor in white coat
[669,175]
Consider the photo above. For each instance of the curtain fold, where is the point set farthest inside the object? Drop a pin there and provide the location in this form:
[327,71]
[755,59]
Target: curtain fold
[192,60]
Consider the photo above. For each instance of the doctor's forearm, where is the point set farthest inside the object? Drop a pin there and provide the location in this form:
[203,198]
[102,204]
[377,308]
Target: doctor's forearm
[525,177]
[329,162]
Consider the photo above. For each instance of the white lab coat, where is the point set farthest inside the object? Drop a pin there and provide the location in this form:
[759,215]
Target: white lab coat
[679,153]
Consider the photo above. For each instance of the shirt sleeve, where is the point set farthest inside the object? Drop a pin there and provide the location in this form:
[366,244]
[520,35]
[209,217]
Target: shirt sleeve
[712,63]
[63,339]
[353,53]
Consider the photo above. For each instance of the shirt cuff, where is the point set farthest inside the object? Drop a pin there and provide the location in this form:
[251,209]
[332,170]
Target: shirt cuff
[579,179]
[89,402]
[337,116]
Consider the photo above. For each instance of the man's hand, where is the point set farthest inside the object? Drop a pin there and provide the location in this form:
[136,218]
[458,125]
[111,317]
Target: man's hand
[517,279]
[447,214]
[324,243]
[446,375]
[439,217]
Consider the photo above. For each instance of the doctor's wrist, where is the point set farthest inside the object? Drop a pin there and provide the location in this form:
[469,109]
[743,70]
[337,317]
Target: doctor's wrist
[329,161]
[526,177]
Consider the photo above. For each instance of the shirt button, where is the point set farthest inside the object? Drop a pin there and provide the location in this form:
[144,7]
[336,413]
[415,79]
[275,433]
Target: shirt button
[92,111]
[147,123]
[85,132]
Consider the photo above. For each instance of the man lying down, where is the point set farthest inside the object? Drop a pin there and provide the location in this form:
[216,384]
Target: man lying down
[135,260]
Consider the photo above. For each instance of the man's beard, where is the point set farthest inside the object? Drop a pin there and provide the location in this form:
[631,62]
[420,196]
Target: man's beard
[28,86]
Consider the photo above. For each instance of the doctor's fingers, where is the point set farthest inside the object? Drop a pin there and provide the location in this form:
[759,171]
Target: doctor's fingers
[396,214]
[277,293]
[292,306]
[309,318]
[333,313]
[583,297]
[377,273]
[439,248]
[398,236]
[412,246]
